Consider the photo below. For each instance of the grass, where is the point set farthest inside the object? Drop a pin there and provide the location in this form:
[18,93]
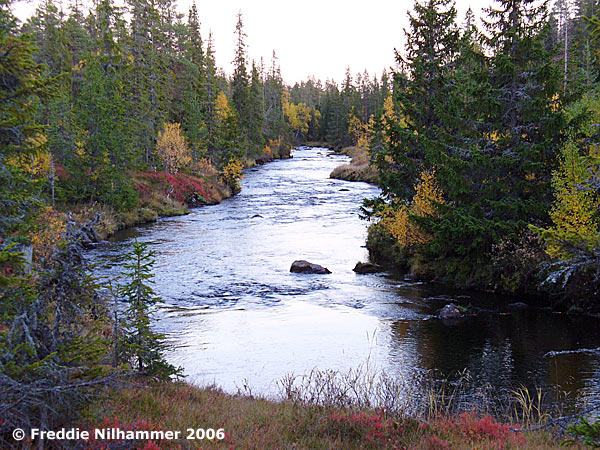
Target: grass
[358,169]
[358,409]
[257,423]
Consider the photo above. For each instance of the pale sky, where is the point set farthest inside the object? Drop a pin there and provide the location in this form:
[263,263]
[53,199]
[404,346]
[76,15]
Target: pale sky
[310,37]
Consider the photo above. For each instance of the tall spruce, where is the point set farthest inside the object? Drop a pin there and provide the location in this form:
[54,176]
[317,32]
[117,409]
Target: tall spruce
[240,92]
[256,104]
[431,48]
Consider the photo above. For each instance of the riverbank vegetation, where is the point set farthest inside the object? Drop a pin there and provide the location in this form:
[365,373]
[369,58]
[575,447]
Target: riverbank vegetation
[488,158]
[359,168]
[256,423]
[117,115]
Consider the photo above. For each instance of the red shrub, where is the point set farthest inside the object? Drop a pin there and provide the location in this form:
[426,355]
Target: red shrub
[371,427]
[478,429]
[183,185]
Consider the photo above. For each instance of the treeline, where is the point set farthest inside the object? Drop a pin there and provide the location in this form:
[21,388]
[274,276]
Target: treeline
[489,162]
[61,344]
[137,88]
[361,96]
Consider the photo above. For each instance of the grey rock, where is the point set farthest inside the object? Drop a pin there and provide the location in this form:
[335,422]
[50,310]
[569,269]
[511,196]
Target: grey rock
[302,266]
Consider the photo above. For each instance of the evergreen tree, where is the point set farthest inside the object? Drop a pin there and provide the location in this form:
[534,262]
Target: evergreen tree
[256,102]
[139,344]
[212,91]
[273,92]
[420,98]
[240,92]
[102,120]
[21,85]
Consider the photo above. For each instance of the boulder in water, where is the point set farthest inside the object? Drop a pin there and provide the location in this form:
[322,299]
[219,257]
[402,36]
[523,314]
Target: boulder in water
[450,312]
[302,266]
[363,268]
[518,305]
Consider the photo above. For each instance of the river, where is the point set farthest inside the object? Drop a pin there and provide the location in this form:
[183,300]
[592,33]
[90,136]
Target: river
[235,316]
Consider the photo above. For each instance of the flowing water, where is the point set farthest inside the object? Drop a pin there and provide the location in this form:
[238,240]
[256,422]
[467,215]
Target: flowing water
[236,316]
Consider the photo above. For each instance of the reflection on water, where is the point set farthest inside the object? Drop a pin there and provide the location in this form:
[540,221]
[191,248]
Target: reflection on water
[235,314]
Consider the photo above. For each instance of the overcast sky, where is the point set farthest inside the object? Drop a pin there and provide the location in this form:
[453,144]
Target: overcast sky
[311,37]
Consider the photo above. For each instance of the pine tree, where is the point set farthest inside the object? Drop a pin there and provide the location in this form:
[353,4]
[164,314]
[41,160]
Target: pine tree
[148,83]
[525,120]
[498,166]
[212,91]
[21,87]
[273,91]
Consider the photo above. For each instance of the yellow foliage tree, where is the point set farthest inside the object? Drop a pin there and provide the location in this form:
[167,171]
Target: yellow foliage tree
[222,107]
[390,116]
[298,116]
[35,164]
[397,220]
[389,112]
[232,174]
[360,132]
[575,210]
[171,148]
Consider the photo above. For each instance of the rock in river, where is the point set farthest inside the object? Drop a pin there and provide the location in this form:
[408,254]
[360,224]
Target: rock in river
[301,266]
[363,268]
[450,312]
[518,305]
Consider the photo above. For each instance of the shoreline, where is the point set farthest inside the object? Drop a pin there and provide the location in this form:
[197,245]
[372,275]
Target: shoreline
[256,422]
[161,195]
[358,169]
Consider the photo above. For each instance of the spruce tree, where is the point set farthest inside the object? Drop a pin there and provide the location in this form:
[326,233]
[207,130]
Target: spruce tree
[240,92]
[139,344]
[256,102]
[431,49]
[104,135]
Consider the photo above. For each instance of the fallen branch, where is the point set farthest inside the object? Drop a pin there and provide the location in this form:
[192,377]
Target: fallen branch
[592,351]
[558,421]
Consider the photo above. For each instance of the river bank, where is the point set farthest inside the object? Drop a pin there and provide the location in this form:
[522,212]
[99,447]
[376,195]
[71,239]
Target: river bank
[164,195]
[218,288]
[358,169]
[248,422]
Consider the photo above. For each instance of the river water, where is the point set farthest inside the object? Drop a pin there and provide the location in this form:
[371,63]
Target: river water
[236,316]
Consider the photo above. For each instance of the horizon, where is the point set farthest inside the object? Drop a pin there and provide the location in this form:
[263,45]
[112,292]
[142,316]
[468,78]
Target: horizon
[312,54]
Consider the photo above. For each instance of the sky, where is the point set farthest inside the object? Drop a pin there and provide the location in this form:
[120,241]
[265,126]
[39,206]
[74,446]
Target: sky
[317,38]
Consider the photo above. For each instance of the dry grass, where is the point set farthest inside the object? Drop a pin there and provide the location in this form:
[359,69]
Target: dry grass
[358,169]
[255,423]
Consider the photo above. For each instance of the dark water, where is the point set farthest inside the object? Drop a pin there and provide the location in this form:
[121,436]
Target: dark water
[236,315]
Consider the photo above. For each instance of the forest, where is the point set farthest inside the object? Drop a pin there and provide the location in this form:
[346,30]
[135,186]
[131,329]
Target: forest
[484,140]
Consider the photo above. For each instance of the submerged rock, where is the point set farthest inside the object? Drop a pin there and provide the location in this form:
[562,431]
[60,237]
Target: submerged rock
[518,305]
[450,312]
[363,268]
[301,266]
